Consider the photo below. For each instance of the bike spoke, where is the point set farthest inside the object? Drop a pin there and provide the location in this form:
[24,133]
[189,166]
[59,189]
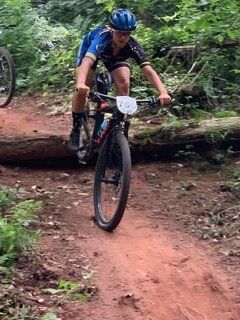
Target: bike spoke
[85,141]
[111,185]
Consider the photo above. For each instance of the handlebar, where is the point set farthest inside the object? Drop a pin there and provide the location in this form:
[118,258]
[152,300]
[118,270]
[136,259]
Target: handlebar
[99,97]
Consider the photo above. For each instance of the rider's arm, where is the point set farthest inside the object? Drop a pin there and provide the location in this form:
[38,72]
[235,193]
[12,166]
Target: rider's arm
[140,56]
[156,82]
[82,71]
[88,54]
[154,79]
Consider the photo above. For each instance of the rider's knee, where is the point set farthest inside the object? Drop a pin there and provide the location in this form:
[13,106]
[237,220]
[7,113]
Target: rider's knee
[123,86]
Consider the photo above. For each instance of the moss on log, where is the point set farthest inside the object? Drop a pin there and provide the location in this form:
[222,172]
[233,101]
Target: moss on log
[208,133]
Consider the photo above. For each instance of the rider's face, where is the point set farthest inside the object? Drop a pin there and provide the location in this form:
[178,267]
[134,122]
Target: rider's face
[120,38]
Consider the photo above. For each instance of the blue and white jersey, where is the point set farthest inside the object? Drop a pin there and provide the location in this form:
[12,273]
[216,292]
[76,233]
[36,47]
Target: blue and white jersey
[97,45]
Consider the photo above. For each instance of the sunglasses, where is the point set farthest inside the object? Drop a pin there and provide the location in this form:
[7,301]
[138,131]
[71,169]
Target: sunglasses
[122,33]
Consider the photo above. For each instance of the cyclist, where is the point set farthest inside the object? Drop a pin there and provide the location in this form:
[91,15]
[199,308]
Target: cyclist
[112,44]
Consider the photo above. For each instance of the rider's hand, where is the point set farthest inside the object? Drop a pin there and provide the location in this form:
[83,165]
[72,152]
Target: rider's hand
[82,88]
[164,99]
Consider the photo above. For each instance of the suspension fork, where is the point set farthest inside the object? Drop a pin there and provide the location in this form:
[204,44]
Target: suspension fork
[126,128]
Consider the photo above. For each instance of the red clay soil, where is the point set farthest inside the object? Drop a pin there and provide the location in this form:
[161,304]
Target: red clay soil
[154,266]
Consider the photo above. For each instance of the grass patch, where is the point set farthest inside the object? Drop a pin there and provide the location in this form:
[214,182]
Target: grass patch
[223,113]
[200,114]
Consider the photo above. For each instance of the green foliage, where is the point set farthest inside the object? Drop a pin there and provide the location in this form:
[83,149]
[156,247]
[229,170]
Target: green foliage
[208,24]
[72,290]
[216,137]
[220,158]
[71,11]
[18,312]
[49,316]
[6,198]
[43,53]
[57,70]
[19,37]
[222,113]
[46,34]
[205,22]
[200,114]
[188,152]
[15,220]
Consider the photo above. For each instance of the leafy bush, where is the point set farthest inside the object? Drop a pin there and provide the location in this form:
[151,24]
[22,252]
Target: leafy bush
[45,36]
[15,220]
[42,52]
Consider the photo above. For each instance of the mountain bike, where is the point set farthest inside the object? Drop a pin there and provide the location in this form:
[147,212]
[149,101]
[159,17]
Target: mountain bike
[7,77]
[106,127]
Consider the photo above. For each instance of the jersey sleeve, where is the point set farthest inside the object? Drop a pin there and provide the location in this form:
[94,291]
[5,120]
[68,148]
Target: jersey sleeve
[98,41]
[92,50]
[138,53]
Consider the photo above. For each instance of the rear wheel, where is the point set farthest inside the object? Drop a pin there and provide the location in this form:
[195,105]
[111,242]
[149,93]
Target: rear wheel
[112,181]
[7,77]
[85,141]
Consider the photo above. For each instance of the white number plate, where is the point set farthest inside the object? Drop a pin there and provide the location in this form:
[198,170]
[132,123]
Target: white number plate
[126,104]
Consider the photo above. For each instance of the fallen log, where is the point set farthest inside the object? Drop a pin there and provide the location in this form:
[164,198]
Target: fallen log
[208,134]
[158,138]
[20,148]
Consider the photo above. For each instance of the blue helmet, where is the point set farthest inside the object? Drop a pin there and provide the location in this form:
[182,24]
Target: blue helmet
[123,20]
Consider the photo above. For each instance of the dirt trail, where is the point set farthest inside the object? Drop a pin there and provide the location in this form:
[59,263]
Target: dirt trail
[29,115]
[150,268]
[147,269]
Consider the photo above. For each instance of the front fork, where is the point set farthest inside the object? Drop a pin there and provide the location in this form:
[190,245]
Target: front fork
[126,128]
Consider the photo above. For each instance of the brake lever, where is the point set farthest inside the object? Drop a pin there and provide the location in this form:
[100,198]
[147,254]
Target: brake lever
[95,97]
[153,102]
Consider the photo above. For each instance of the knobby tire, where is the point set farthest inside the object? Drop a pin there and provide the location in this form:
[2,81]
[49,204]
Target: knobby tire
[12,76]
[120,145]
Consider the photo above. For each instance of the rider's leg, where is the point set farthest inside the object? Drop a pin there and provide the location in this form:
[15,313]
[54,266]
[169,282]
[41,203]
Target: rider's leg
[78,106]
[121,78]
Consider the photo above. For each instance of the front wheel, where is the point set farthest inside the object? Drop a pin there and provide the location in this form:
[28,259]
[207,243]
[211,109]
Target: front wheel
[112,181]
[7,77]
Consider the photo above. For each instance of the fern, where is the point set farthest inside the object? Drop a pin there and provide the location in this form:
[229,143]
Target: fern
[15,233]
[6,198]
[23,213]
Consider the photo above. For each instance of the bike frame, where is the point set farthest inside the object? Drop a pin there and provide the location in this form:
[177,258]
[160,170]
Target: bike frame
[118,121]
